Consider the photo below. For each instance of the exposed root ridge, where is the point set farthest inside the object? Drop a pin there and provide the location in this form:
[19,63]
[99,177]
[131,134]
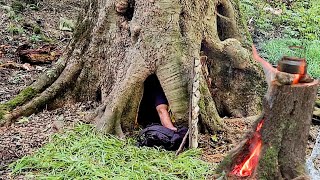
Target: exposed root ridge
[107,121]
[38,86]
[70,72]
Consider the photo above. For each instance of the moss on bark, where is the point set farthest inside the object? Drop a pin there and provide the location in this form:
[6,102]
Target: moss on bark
[25,95]
[269,162]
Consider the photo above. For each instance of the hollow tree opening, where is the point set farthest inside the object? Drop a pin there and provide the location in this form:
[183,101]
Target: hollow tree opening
[126,9]
[153,95]
[129,13]
[222,22]
[225,23]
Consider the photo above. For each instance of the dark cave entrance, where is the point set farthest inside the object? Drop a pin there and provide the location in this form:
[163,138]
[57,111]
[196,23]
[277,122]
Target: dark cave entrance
[153,95]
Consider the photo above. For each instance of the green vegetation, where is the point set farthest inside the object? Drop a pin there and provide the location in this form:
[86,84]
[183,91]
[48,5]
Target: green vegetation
[292,23]
[66,24]
[2,113]
[267,164]
[15,30]
[17,25]
[36,29]
[14,16]
[40,38]
[82,153]
[11,13]
[304,17]
[34,7]
[273,51]
[298,19]
[22,97]
[17,6]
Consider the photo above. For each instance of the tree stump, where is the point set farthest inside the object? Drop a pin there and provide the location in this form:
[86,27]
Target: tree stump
[275,148]
[282,132]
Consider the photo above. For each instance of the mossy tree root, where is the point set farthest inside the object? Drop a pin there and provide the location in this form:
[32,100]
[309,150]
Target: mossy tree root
[32,99]
[54,81]
[45,80]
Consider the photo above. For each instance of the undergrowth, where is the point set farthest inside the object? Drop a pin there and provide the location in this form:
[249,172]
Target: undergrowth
[83,154]
[293,19]
[275,49]
[279,24]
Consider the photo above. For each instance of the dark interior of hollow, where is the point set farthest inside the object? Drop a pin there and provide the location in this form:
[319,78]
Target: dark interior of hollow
[147,113]
[130,11]
[222,24]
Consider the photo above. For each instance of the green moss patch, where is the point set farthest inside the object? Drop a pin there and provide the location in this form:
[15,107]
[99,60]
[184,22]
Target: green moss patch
[2,113]
[21,98]
[268,164]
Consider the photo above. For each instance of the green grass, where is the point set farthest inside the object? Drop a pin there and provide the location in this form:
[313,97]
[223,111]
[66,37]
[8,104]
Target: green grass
[83,154]
[273,50]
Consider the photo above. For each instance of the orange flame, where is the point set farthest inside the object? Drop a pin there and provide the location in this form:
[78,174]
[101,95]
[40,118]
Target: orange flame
[296,78]
[250,162]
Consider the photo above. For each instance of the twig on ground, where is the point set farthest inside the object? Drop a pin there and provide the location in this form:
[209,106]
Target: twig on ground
[184,140]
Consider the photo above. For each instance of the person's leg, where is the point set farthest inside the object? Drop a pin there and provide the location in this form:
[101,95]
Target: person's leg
[165,119]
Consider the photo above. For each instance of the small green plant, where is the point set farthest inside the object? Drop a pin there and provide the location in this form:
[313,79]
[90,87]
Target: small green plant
[17,6]
[23,120]
[66,24]
[39,38]
[83,153]
[36,29]
[15,30]
[33,6]
[12,14]
[35,38]
[15,79]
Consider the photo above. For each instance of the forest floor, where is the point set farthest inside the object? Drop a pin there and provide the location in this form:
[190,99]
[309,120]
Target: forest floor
[25,24]
[48,23]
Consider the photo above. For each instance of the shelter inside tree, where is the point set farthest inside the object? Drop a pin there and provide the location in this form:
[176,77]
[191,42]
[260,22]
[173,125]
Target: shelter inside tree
[118,44]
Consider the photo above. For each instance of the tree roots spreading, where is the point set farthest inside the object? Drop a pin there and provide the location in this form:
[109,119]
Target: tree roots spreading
[117,46]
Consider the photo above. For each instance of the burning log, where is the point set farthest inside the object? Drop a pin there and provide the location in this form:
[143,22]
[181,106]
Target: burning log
[275,148]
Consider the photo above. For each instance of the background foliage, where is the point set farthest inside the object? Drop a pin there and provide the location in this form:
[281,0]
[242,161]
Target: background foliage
[277,24]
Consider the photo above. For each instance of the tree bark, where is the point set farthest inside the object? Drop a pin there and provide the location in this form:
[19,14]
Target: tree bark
[117,44]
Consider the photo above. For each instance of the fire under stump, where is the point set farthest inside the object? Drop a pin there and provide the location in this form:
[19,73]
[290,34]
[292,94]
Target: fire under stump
[276,147]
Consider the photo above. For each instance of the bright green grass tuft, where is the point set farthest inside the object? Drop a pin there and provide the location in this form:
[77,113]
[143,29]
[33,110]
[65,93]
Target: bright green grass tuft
[273,50]
[83,154]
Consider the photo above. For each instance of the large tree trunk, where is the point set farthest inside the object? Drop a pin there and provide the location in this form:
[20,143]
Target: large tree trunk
[118,44]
